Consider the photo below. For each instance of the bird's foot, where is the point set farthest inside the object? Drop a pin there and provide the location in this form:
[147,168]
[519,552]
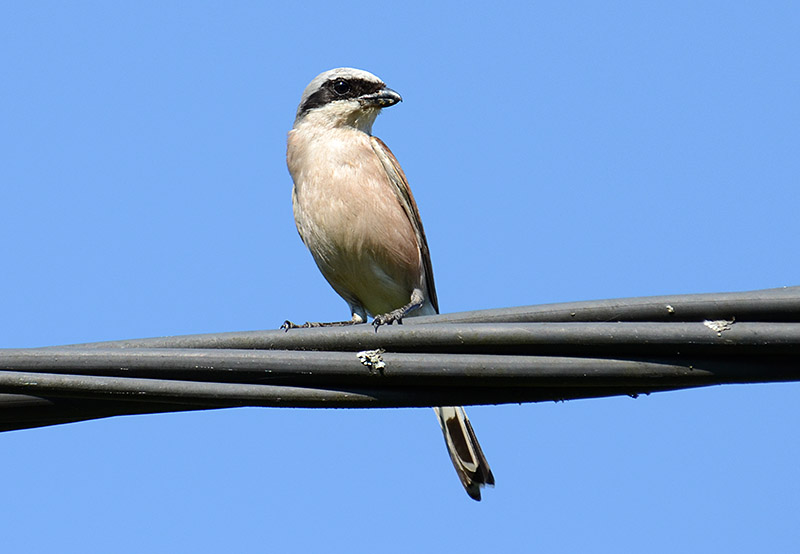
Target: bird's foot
[389,318]
[308,324]
[397,315]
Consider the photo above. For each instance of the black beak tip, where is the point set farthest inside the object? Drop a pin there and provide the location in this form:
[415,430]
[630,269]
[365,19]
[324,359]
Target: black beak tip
[383,98]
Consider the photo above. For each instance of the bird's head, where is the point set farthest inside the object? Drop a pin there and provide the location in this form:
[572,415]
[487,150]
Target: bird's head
[345,97]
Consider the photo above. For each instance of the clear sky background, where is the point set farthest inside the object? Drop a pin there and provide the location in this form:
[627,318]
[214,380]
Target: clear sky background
[558,151]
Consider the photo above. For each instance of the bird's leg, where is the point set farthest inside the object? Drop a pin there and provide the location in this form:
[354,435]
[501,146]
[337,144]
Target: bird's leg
[289,325]
[417,300]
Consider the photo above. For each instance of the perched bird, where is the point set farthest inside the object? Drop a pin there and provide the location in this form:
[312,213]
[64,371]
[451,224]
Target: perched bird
[355,213]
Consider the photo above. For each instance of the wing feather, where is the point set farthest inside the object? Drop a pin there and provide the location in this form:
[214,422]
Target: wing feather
[400,185]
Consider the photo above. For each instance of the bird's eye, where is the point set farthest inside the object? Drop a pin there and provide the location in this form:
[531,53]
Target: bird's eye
[341,87]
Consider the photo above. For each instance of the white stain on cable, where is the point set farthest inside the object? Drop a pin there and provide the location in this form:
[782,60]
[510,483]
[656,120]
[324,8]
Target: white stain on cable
[372,359]
[719,325]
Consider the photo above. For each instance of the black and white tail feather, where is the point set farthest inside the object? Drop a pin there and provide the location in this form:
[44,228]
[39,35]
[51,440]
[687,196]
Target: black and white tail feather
[464,450]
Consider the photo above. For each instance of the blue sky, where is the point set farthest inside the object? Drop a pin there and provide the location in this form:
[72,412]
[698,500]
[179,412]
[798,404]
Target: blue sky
[557,151]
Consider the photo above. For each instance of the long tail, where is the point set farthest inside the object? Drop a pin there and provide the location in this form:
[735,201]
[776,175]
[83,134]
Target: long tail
[465,452]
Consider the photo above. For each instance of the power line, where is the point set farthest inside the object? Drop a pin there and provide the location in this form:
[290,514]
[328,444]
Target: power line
[537,353]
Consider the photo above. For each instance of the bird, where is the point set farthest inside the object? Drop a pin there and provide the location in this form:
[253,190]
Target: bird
[355,213]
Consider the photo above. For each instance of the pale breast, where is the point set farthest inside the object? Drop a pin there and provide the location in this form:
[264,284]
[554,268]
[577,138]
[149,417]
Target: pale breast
[349,217]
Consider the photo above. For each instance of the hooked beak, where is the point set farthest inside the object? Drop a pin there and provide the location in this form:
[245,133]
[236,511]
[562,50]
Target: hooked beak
[382,99]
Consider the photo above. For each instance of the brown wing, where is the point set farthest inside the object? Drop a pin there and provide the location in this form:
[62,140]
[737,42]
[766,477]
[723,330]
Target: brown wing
[406,199]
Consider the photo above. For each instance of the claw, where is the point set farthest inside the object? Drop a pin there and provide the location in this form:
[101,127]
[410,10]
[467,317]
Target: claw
[290,325]
[287,325]
[388,318]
